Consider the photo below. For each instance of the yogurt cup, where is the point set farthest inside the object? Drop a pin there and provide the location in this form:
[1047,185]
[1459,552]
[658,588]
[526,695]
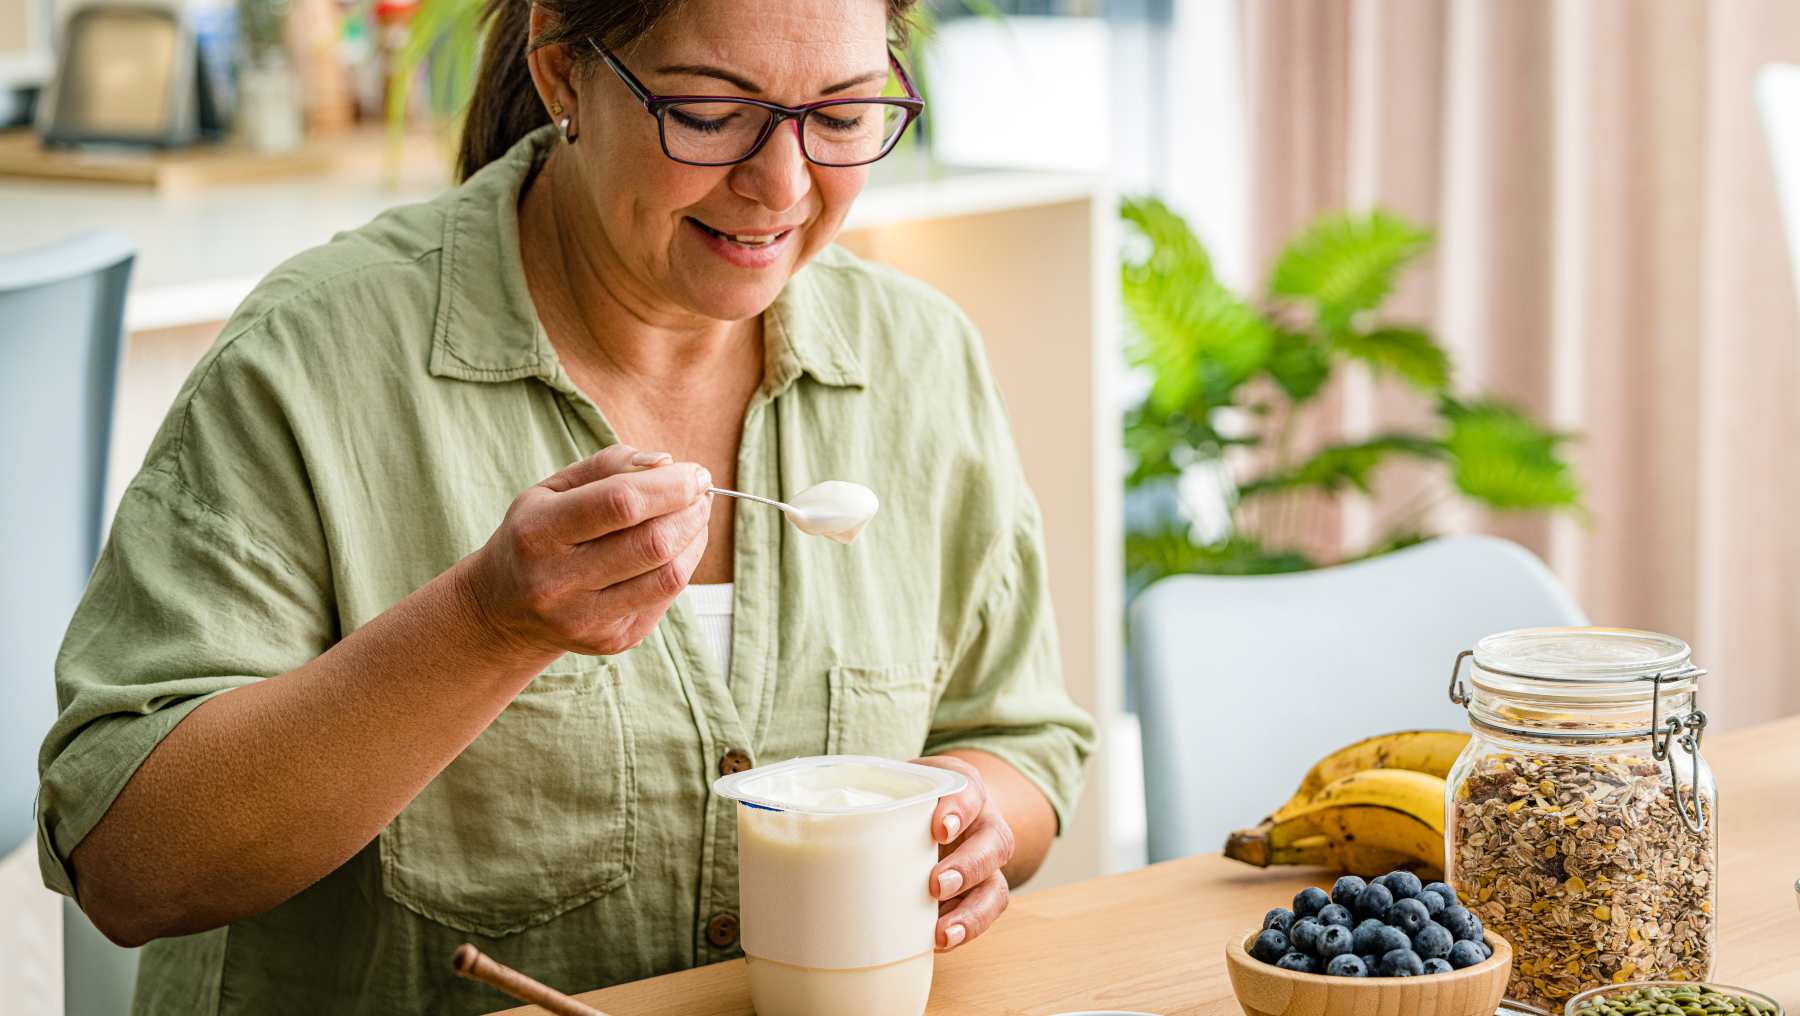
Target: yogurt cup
[834,856]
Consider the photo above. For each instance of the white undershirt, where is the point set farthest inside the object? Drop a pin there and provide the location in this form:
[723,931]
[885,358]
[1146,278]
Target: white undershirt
[712,604]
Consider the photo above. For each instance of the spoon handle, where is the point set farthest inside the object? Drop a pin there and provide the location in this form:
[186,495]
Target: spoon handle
[749,497]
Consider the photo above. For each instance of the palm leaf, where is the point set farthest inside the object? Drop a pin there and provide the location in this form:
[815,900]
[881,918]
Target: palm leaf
[1505,459]
[1174,249]
[1335,467]
[444,36]
[1158,553]
[1409,352]
[1343,265]
[1198,337]
[1201,341]
[1299,365]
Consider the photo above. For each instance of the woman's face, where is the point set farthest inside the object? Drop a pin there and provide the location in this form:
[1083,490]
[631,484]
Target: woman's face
[658,218]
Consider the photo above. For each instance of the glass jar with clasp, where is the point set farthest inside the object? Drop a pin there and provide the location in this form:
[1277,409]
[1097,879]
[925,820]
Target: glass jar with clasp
[1582,821]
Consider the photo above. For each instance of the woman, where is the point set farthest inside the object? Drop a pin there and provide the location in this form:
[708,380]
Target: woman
[340,696]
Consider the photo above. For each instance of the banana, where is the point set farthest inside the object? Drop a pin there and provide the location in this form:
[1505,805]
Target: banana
[1321,851]
[1361,820]
[1420,795]
[1422,751]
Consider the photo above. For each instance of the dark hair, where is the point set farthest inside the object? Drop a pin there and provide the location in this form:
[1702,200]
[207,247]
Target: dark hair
[506,107]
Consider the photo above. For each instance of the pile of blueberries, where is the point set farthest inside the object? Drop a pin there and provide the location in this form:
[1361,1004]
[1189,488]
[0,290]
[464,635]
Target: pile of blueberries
[1393,926]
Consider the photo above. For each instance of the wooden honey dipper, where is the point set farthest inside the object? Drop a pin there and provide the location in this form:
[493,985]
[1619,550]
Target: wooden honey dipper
[469,962]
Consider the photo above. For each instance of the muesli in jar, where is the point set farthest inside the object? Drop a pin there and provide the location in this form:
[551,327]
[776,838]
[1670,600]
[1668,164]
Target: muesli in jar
[1581,815]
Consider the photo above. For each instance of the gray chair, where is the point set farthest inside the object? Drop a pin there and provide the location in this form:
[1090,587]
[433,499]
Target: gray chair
[1243,682]
[62,313]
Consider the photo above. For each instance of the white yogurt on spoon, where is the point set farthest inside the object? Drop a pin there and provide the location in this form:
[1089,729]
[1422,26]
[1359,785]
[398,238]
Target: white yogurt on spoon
[836,509]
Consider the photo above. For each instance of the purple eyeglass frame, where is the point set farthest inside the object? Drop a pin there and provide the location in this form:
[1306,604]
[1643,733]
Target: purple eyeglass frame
[658,107]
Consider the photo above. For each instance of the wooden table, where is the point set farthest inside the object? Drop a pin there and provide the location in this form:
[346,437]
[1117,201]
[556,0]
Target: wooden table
[1153,939]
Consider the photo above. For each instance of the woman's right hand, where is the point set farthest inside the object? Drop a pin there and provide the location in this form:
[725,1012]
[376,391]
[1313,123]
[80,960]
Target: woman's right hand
[588,560]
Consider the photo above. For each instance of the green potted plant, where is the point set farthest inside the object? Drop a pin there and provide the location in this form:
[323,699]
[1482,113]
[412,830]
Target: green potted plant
[1232,379]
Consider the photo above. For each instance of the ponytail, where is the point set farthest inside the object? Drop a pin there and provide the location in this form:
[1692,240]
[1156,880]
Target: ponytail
[505,106]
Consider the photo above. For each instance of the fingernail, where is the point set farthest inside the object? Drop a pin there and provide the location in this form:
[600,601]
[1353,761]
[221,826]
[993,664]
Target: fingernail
[702,480]
[948,884]
[952,826]
[651,458]
[954,935]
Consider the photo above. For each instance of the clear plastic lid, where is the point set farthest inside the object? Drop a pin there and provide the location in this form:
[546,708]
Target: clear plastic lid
[838,785]
[1581,654]
[1596,680]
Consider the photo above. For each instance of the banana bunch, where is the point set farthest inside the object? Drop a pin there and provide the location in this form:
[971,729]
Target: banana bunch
[1367,809]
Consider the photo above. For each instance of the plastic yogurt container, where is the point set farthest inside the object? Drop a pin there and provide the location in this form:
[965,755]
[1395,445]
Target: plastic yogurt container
[834,856]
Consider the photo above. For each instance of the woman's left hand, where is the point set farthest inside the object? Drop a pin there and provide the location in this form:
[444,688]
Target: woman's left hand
[976,843]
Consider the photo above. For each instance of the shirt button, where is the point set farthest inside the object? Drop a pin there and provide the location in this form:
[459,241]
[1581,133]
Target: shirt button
[722,930]
[735,761]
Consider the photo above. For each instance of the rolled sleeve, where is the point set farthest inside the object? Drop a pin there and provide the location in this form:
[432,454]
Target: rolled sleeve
[1005,694]
[183,605]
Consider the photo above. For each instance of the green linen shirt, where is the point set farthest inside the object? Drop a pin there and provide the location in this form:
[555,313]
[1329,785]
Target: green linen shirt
[362,423]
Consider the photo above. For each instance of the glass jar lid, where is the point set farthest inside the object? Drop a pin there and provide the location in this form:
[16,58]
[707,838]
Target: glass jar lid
[1582,667]
[1590,655]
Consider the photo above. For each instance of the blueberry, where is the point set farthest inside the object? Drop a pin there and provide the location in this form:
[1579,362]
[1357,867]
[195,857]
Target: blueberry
[1270,946]
[1369,963]
[1390,938]
[1298,961]
[1433,941]
[1465,954]
[1365,936]
[1409,916]
[1437,967]
[1433,903]
[1335,940]
[1336,914]
[1347,966]
[1401,963]
[1310,901]
[1444,892]
[1280,917]
[1304,935]
[1404,884]
[1487,951]
[1345,891]
[1374,901]
[1464,926]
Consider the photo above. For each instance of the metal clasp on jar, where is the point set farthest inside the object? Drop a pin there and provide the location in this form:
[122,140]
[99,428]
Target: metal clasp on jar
[1689,728]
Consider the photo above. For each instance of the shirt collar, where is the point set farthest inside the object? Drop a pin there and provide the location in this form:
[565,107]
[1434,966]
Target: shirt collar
[487,328]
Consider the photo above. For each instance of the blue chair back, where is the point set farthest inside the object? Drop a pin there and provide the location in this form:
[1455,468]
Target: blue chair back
[62,318]
[1243,682]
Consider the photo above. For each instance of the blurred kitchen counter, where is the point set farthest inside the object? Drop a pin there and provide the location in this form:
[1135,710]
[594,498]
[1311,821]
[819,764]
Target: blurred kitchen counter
[202,249]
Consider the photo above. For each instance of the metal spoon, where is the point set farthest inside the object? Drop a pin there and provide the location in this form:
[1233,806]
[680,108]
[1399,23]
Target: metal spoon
[790,509]
[833,521]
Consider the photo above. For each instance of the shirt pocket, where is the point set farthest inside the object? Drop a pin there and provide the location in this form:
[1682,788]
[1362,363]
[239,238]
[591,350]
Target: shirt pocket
[537,816]
[881,711]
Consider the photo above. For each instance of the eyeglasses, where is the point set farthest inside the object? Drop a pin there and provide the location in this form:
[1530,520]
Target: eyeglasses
[708,130]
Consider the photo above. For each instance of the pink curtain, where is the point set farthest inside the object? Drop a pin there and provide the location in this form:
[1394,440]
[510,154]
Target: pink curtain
[1609,254]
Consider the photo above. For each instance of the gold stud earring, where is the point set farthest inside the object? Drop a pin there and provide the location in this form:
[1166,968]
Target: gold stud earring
[556,109]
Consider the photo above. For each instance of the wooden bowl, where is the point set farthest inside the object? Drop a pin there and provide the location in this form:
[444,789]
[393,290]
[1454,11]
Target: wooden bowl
[1264,989]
